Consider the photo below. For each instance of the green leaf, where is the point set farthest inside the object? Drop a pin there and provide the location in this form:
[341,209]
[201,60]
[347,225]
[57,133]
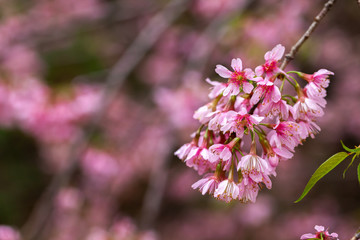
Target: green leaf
[358,170]
[324,168]
[352,160]
[346,148]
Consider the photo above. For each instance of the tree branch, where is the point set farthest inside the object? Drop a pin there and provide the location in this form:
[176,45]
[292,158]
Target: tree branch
[294,49]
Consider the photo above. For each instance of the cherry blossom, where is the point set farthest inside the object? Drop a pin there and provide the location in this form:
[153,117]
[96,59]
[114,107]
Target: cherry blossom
[270,68]
[227,190]
[237,122]
[251,106]
[321,233]
[237,79]
[208,184]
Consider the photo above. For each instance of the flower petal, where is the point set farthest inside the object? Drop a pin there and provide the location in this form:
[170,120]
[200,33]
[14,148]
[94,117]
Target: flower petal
[247,87]
[276,53]
[236,64]
[223,71]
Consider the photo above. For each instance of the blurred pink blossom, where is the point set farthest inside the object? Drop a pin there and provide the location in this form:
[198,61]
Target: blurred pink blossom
[8,233]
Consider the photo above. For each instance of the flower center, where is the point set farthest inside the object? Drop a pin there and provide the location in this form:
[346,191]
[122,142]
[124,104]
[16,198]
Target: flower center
[237,77]
[269,66]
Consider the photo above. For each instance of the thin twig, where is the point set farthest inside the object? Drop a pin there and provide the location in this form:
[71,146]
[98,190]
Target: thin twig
[291,55]
[36,224]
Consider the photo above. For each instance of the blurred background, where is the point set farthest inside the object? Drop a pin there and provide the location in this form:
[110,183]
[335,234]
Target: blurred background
[96,95]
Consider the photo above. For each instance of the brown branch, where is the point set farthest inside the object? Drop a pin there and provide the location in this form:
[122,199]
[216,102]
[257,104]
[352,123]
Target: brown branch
[294,49]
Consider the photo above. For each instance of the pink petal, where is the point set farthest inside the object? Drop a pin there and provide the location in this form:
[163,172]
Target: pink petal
[335,235]
[226,91]
[257,79]
[307,236]
[256,176]
[214,83]
[319,228]
[267,181]
[247,87]
[257,119]
[236,64]
[276,94]
[323,72]
[199,183]
[225,154]
[259,70]
[282,152]
[221,188]
[206,187]
[256,96]
[276,53]
[223,71]
[248,73]
[205,154]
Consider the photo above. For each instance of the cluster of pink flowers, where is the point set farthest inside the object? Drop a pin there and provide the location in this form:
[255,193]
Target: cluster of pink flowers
[321,233]
[250,125]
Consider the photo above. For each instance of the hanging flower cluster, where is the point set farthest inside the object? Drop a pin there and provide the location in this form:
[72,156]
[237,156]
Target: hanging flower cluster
[250,125]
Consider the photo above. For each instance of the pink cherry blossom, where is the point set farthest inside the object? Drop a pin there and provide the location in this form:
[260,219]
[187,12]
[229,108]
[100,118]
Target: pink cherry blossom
[285,134]
[254,167]
[184,150]
[204,114]
[321,233]
[220,151]
[306,108]
[208,184]
[270,67]
[242,103]
[238,78]
[267,91]
[308,128]
[227,190]
[248,190]
[237,121]
[278,109]
[320,78]
[252,162]
[218,120]
[316,94]
[198,158]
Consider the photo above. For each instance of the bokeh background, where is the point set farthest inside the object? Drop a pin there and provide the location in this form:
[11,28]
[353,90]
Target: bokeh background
[96,95]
